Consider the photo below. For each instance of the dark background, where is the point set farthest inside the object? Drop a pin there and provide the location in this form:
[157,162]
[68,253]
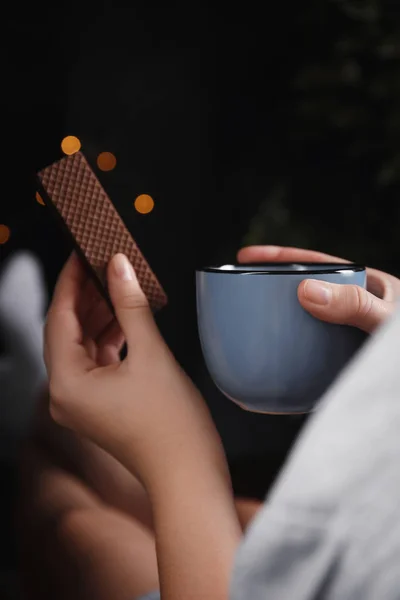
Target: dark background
[272,124]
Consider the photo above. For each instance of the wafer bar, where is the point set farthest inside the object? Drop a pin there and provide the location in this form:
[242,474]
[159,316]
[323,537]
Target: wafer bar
[71,188]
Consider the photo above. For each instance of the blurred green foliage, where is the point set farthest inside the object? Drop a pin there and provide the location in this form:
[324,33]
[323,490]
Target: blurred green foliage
[337,182]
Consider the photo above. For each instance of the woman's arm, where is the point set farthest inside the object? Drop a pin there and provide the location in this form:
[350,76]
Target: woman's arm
[196,527]
[147,413]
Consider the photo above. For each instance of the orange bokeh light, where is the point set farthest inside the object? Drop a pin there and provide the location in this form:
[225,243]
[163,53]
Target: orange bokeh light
[70,145]
[39,199]
[144,204]
[4,234]
[106,161]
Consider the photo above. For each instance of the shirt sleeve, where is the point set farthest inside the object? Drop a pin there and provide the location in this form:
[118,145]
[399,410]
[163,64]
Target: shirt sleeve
[284,556]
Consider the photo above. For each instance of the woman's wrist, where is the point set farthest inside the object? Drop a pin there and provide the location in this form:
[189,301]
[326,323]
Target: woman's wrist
[177,456]
[187,464]
[185,438]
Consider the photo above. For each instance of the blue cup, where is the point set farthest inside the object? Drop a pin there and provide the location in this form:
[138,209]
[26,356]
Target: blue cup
[261,348]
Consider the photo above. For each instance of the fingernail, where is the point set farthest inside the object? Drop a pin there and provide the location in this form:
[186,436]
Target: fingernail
[122,267]
[317,292]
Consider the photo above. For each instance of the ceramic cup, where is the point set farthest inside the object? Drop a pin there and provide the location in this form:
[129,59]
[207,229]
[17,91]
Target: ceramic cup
[262,349]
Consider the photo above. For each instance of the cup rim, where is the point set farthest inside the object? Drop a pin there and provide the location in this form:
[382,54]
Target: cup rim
[324,268]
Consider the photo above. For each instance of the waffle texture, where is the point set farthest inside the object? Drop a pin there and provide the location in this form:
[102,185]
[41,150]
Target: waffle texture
[87,211]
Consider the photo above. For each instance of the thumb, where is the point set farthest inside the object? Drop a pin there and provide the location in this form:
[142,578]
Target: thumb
[343,304]
[130,303]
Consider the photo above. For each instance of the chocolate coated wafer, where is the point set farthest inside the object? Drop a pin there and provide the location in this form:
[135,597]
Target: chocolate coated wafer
[71,187]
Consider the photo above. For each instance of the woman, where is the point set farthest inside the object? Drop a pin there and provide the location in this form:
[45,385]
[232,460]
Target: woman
[137,494]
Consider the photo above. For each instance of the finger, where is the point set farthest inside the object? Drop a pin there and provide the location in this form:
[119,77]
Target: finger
[91,348]
[112,336]
[107,355]
[97,319]
[69,284]
[383,285]
[90,296]
[63,335]
[129,301]
[343,304]
[255,254]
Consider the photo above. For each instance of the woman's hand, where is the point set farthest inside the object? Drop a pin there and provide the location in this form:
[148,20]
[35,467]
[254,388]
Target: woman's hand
[142,409]
[146,413]
[335,303]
